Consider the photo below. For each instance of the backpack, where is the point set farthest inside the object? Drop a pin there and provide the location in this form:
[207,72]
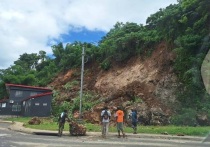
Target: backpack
[105,115]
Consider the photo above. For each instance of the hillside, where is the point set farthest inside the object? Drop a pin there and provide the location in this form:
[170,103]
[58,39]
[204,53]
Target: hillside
[156,68]
[148,85]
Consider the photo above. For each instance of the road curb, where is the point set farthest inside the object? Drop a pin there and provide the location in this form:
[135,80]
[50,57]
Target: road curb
[18,126]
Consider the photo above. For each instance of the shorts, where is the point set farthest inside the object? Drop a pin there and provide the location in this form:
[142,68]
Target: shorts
[120,126]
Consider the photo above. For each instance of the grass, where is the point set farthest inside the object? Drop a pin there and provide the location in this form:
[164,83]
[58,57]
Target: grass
[49,124]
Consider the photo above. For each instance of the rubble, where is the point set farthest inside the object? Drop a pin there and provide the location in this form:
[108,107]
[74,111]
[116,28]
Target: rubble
[34,121]
[76,129]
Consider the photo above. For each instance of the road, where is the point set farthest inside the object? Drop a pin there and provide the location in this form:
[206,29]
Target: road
[9,138]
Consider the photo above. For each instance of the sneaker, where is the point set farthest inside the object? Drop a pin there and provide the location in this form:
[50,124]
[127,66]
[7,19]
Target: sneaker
[118,136]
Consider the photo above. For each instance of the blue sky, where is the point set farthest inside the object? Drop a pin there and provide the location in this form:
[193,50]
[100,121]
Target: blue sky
[84,36]
[28,26]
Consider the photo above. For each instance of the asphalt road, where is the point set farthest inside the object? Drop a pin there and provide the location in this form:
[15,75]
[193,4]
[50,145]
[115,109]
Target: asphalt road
[9,138]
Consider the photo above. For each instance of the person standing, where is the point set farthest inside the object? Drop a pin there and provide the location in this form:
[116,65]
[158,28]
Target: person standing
[134,120]
[105,118]
[61,122]
[119,120]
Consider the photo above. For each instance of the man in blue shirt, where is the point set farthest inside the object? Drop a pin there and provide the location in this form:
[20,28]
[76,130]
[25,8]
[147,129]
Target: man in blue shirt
[134,120]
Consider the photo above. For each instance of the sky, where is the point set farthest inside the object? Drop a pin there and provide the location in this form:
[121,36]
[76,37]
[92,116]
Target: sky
[28,26]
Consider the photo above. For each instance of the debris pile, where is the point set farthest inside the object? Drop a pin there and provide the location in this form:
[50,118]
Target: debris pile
[34,121]
[76,129]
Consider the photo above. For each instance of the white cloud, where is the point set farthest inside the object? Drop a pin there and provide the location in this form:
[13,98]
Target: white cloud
[28,25]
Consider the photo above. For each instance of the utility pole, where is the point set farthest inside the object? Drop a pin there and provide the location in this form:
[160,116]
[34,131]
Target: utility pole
[81,86]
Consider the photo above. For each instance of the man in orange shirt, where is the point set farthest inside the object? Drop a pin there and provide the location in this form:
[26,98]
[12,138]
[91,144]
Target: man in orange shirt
[119,120]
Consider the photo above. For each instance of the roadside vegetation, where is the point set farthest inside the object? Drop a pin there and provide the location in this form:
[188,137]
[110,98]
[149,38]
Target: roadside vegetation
[49,124]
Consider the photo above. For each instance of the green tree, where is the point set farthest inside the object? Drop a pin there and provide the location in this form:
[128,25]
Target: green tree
[28,61]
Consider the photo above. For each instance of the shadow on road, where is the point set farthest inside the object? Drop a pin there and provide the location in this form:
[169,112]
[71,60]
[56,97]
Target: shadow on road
[45,133]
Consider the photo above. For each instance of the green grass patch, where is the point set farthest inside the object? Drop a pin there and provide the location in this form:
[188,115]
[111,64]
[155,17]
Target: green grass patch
[49,124]
[19,119]
[174,130]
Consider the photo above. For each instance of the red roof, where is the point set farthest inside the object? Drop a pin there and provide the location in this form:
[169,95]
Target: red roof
[25,86]
[38,96]
[3,100]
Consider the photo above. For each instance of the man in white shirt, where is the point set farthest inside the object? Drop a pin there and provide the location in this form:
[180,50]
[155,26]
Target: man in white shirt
[105,118]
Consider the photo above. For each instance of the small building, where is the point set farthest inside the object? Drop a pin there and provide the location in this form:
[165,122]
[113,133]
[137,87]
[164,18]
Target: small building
[37,105]
[26,101]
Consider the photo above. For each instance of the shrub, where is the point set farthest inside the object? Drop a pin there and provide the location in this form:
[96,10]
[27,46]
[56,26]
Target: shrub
[69,85]
[106,64]
[187,117]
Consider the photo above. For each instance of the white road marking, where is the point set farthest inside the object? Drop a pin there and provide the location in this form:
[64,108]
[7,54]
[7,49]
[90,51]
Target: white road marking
[3,135]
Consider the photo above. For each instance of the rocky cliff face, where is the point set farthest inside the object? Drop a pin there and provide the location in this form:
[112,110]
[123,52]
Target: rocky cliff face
[147,84]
